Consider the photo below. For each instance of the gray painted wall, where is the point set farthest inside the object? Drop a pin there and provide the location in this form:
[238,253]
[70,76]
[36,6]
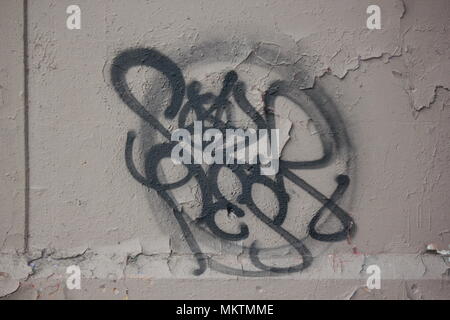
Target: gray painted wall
[376,102]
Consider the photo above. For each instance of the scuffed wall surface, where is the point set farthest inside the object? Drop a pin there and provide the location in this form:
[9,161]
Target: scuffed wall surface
[379,99]
[12,177]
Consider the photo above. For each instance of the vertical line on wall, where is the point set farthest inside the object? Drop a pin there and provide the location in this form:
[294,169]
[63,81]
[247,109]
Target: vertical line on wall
[26,126]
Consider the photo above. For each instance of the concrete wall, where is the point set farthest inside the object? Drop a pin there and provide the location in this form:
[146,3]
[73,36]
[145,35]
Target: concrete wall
[364,124]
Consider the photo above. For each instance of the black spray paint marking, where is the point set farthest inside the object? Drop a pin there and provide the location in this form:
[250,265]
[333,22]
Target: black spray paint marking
[248,175]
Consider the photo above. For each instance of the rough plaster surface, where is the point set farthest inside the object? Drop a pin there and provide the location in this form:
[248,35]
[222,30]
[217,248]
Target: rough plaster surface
[390,87]
[11,128]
